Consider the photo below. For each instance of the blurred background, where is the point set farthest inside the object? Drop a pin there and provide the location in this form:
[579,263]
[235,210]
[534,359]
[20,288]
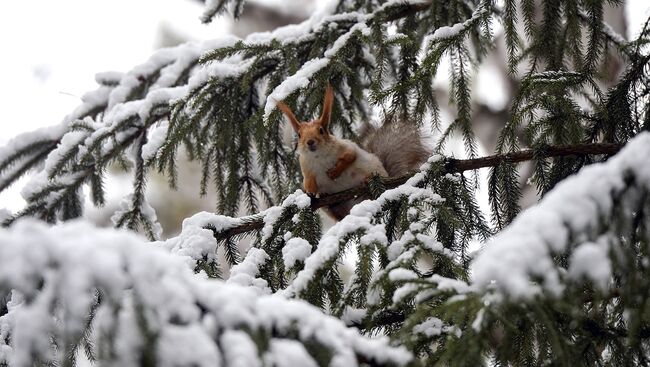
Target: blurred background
[51,51]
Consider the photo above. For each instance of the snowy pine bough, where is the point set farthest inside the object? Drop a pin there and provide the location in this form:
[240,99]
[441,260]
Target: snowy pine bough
[126,302]
[565,282]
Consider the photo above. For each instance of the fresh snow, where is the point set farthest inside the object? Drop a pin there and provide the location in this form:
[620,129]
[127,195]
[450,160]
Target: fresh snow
[195,242]
[591,260]
[294,33]
[524,250]
[432,326]
[454,30]
[56,272]
[126,205]
[243,352]
[246,272]
[288,353]
[170,63]
[359,219]
[446,32]
[155,141]
[271,215]
[300,79]
[296,249]
[90,102]
[401,274]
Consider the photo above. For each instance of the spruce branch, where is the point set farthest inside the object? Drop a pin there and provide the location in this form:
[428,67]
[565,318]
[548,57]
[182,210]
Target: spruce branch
[46,200]
[612,36]
[126,279]
[256,222]
[9,176]
[27,150]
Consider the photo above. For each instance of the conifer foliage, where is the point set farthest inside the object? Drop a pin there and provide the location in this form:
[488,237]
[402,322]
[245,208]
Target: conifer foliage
[564,283]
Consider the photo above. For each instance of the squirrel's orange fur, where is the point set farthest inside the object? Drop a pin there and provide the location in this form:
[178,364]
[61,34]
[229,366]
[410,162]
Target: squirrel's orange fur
[330,164]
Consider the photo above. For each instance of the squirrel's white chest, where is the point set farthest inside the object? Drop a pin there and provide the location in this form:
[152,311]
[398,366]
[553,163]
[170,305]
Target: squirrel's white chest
[319,162]
[348,179]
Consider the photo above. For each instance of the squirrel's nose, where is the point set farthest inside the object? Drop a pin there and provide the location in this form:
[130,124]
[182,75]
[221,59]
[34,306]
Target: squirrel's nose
[310,142]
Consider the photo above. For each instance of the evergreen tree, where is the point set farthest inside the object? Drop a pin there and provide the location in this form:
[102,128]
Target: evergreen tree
[563,283]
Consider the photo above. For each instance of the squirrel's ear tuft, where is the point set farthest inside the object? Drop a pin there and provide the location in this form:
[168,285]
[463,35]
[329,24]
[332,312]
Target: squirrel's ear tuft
[292,118]
[327,106]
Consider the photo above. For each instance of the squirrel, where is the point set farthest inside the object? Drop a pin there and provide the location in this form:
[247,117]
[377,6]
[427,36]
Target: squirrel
[330,164]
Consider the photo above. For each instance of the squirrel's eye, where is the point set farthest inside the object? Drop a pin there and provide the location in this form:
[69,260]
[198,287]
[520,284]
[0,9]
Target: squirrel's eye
[298,135]
[322,131]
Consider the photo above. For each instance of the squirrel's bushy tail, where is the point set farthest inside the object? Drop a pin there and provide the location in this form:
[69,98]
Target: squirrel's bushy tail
[398,145]
[400,148]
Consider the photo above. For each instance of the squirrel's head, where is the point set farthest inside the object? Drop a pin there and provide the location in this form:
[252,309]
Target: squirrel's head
[312,134]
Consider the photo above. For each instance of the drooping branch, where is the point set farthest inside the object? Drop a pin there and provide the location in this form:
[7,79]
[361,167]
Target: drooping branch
[451,166]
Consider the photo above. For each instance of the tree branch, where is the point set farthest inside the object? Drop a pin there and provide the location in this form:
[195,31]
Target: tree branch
[408,10]
[451,166]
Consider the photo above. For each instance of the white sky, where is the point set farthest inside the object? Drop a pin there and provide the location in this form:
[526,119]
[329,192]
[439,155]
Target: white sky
[51,51]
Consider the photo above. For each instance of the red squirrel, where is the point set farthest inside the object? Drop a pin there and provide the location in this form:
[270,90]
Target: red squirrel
[330,164]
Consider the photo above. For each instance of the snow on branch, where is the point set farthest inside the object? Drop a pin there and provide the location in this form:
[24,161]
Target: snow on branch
[25,150]
[303,77]
[457,29]
[216,7]
[196,239]
[97,139]
[359,220]
[204,232]
[75,286]
[570,215]
[308,30]
[612,36]
[360,28]
[164,69]
[398,283]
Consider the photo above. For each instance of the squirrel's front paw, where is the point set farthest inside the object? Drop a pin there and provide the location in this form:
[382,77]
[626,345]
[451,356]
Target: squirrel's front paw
[333,173]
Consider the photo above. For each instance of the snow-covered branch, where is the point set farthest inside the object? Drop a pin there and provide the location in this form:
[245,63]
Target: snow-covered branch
[569,218]
[74,286]
[24,151]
